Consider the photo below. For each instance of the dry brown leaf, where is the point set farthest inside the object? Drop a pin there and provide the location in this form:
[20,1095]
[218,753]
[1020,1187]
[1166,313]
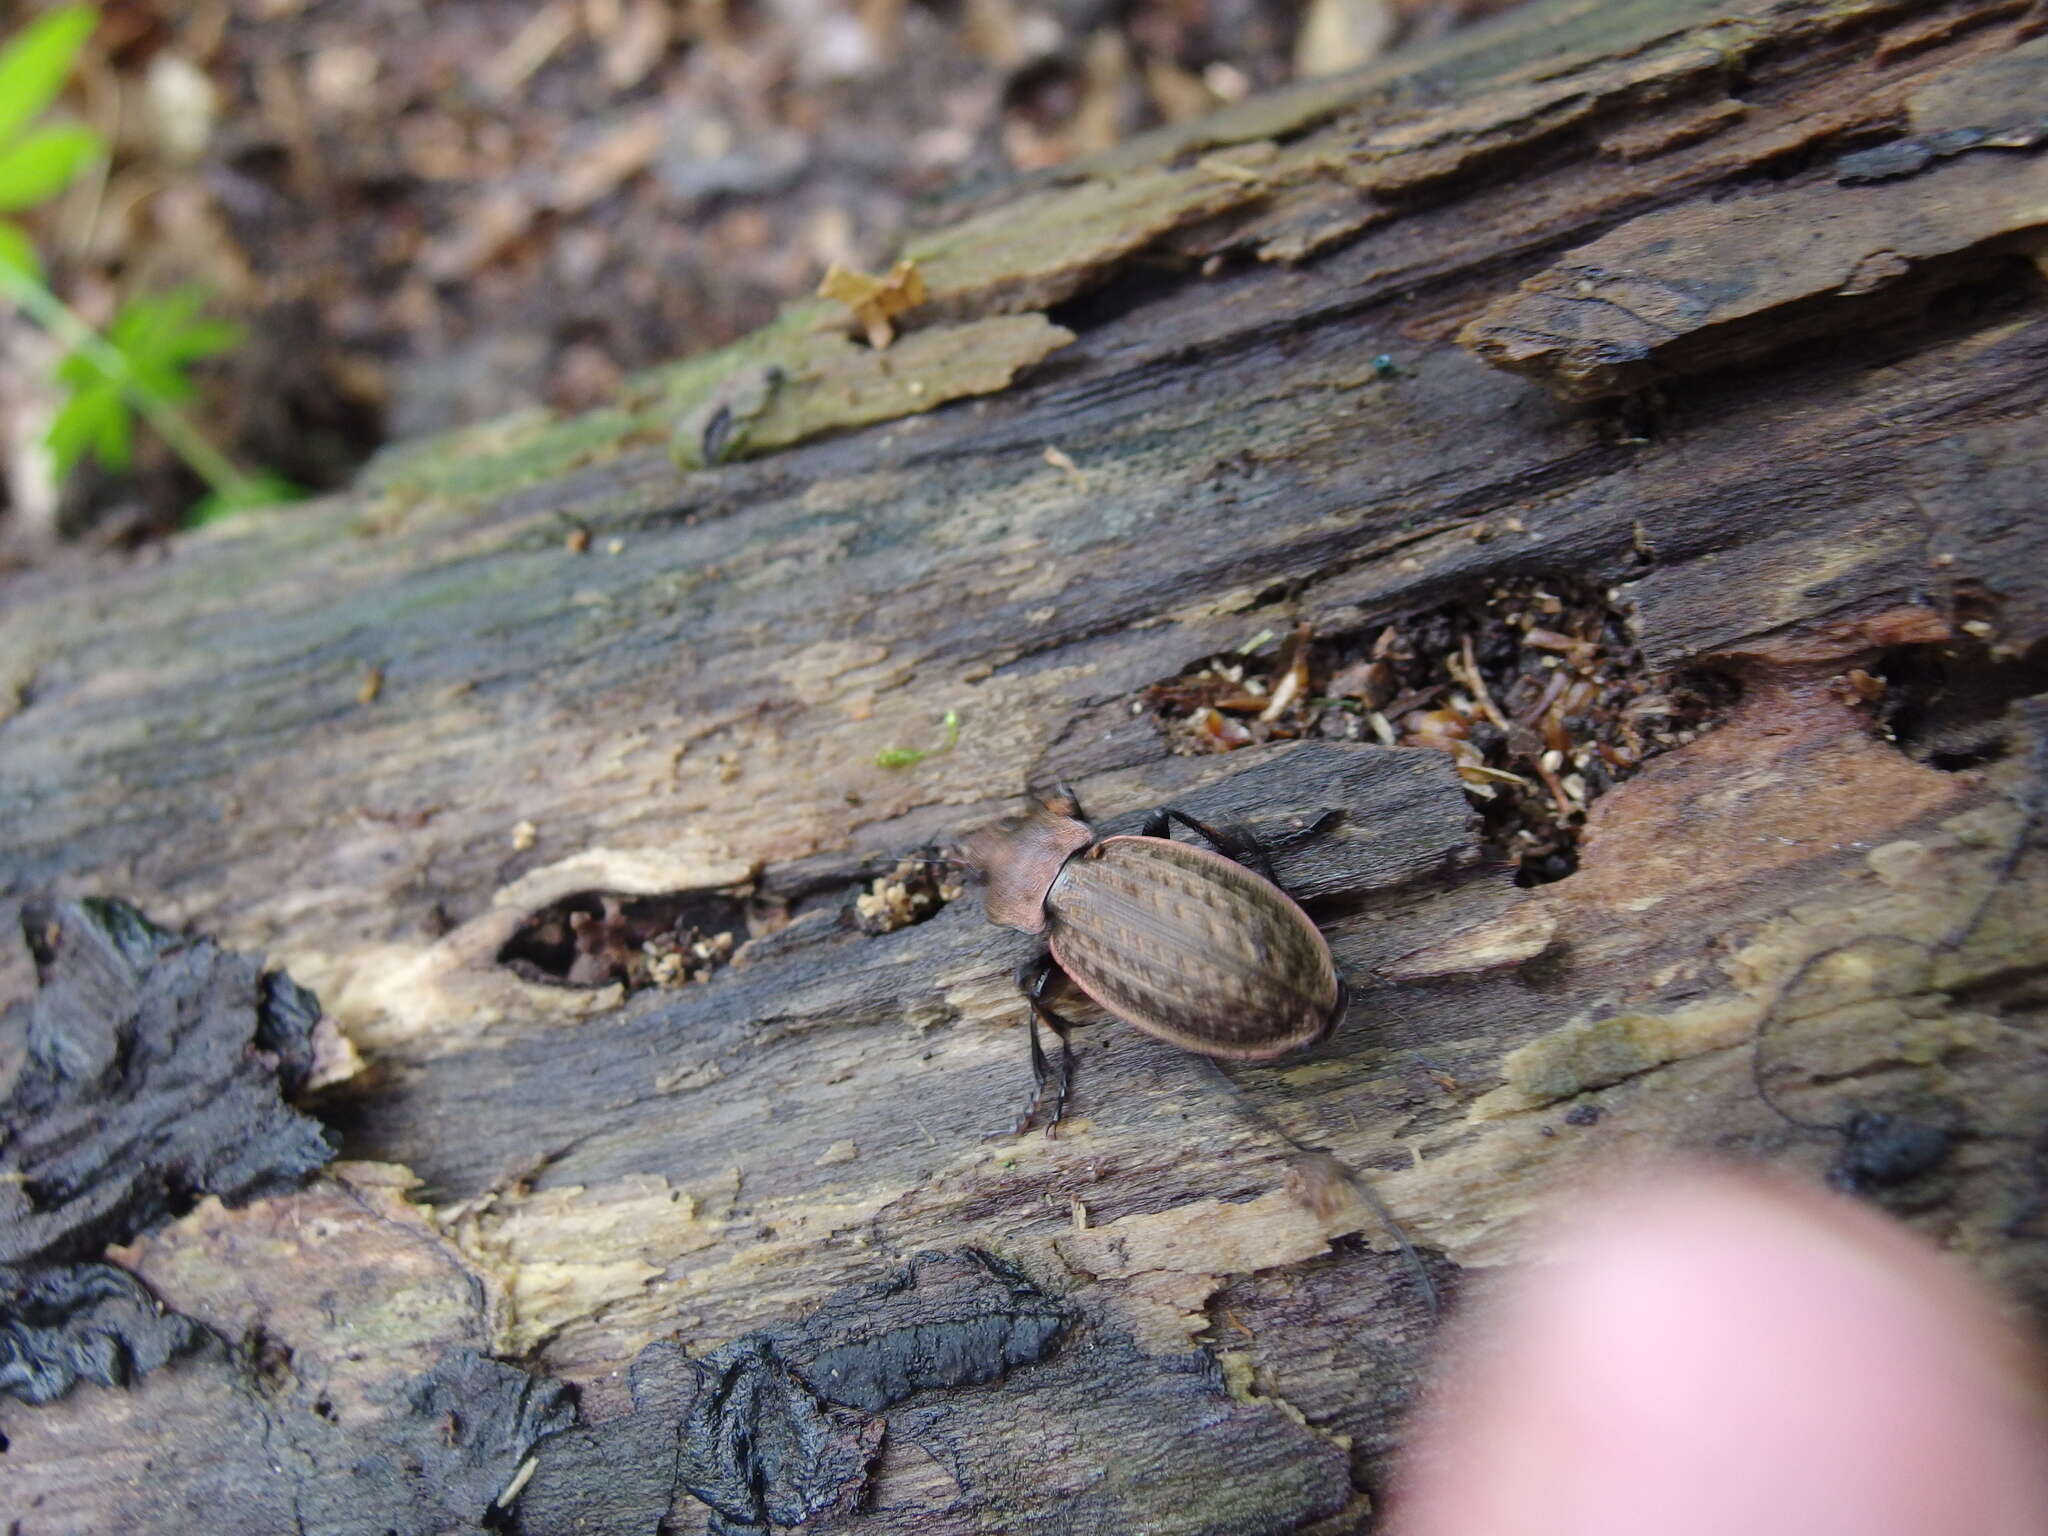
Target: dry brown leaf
[875,301]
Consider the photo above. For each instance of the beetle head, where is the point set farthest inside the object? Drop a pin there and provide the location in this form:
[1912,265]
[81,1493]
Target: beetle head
[1020,857]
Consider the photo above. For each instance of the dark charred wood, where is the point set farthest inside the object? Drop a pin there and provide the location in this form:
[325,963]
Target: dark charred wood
[150,1071]
[65,1323]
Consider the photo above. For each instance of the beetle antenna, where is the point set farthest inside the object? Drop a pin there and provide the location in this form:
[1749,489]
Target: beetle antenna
[1424,1281]
[1316,1169]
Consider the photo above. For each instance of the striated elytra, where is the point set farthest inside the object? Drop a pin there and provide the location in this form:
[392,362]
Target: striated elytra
[1186,944]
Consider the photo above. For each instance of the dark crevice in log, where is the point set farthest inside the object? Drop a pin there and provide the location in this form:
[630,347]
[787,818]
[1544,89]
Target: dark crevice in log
[915,891]
[602,938]
[1948,705]
[1534,686]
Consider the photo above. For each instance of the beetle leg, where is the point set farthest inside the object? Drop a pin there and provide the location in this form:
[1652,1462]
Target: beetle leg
[1032,977]
[1232,841]
[1040,1069]
[1040,1009]
[1059,1026]
[1337,1010]
[1235,841]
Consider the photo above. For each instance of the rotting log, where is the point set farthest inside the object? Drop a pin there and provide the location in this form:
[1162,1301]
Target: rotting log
[1763,283]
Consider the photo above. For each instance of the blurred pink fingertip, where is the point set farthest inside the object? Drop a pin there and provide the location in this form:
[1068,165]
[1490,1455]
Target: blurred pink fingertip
[1707,1353]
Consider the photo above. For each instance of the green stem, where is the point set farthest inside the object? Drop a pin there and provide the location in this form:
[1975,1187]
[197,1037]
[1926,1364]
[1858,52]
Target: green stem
[172,425]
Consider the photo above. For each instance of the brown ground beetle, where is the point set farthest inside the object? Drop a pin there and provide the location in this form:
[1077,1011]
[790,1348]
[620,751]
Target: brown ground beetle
[1198,948]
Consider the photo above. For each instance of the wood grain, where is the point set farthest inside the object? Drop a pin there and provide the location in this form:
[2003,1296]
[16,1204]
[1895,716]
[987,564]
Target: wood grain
[702,710]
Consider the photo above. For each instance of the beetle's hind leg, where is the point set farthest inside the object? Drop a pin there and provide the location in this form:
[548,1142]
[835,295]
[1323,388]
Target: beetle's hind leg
[1032,977]
[1232,839]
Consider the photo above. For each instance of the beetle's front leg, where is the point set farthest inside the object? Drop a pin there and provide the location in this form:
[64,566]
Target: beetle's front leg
[1032,977]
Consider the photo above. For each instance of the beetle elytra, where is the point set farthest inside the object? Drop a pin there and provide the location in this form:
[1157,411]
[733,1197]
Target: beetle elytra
[1186,944]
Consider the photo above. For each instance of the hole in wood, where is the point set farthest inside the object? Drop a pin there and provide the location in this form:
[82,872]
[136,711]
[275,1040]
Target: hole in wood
[599,938]
[914,891]
[1946,705]
[1536,689]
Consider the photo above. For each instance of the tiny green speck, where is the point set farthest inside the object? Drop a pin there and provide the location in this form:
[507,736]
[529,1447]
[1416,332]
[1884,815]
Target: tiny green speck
[909,757]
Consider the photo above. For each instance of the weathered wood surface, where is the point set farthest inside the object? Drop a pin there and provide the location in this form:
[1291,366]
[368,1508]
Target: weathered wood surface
[1814,444]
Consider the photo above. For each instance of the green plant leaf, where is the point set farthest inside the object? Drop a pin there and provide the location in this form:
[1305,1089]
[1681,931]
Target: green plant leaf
[34,65]
[262,489]
[93,420]
[162,334]
[40,164]
[142,361]
[159,337]
[18,252]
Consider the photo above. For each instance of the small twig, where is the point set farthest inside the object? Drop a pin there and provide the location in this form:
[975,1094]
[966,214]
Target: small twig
[1477,684]
[2032,794]
[1548,697]
[1563,801]
[1786,988]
